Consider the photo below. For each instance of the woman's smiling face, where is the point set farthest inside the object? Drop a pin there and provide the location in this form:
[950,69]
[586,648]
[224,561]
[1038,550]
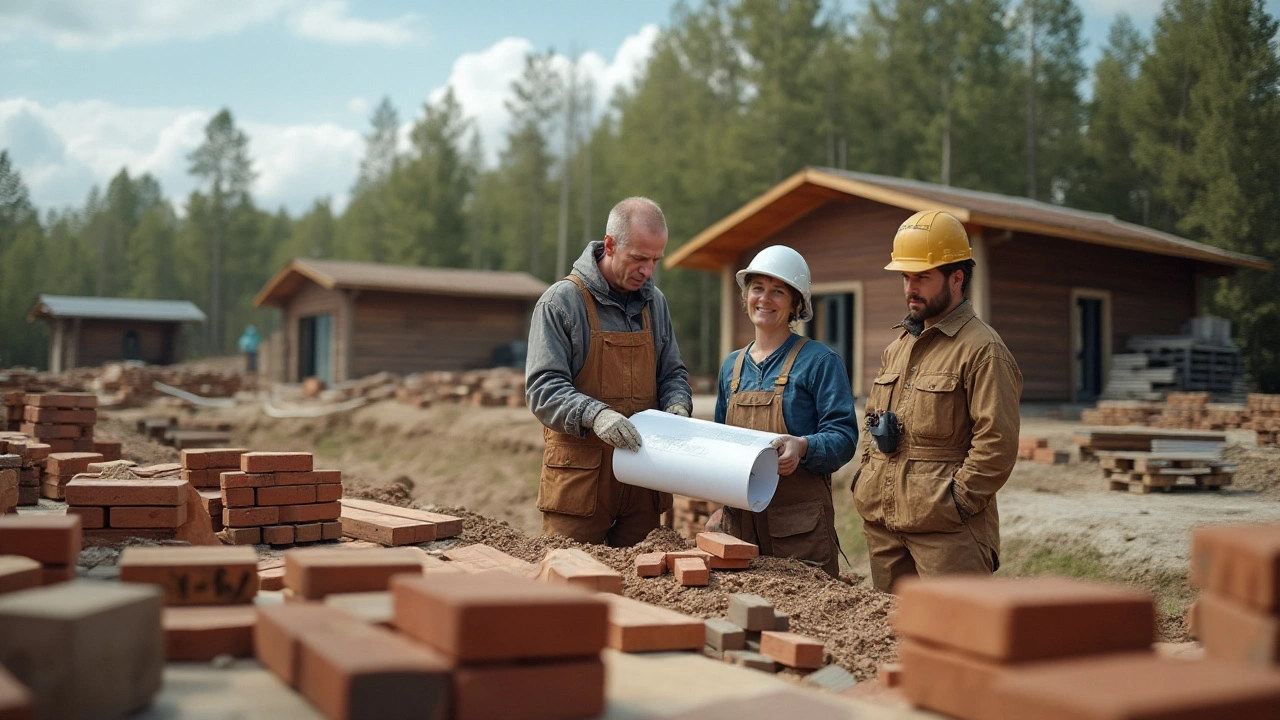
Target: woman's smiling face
[770,303]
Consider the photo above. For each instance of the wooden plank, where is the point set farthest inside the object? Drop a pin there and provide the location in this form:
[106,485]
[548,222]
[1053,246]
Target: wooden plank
[636,626]
[384,529]
[446,525]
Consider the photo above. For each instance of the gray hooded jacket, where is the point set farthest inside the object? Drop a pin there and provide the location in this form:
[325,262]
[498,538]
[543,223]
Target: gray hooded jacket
[559,335]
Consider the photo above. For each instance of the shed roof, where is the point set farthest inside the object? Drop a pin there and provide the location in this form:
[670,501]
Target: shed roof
[48,307]
[348,275]
[810,188]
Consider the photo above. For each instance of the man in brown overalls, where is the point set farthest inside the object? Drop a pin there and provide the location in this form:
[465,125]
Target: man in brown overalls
[602,348]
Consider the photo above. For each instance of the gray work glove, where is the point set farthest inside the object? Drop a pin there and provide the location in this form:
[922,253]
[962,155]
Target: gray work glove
[678,409]
[611,427]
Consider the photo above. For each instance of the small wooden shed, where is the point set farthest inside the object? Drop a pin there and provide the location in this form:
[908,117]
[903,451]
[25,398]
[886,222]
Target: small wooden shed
[344,320]
[1063,287]
[89,331]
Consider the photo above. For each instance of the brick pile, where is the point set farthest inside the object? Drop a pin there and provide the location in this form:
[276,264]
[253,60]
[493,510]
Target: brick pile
[715,551]
[10,469]
[1264,418]
[1038,450]
[689,516]
[63,420]
[114,508]
[60,468]
[208,597]
[278,498]
[755,635]
[54,541]
[14,401]
[1193,411]
[1237,616]
[495,387]
[31,467]
[1121,412]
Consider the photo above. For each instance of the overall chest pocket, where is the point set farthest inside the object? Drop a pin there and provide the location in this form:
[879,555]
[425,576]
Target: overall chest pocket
[882,391]
[940,403]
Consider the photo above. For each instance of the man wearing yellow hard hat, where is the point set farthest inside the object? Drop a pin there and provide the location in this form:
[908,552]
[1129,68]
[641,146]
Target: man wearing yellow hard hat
[942,419]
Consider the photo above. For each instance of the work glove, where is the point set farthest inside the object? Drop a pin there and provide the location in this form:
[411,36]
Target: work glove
[678,409]
[611,427]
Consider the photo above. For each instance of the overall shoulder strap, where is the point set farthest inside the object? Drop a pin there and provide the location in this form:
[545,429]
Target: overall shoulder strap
[592,318]
[785,376]
[737,370]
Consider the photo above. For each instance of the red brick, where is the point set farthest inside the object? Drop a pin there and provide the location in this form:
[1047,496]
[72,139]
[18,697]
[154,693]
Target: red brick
[110,450]
[195,459]
[277,631]
[265,462]
[1050,457]
[241,536]
[310,532]
[1024,619]
[200,478]
[91,518]
[636,626]
[691,571]
[1135,686]
[124,516]
[237,479]
[271,574]
[651,564]
[950,682]
[792,650]
[224,458]
[572,689]
[194,575]
[19,573]
[328,493]
[1234,631]
[203,633]
[234,517]
[314,512]
[713,562]
[16,702]
[278,534]
[356,670]
[1241,562]
[37,451]
[59,416]
[331,530]
[158,491]
[70,463]
[236,497]
[316,572]
[51,490]
[295,478]
[212,500]
[328,477]
[494,616]
[50,433]
[571,566]
[726,546]
[69,401]
[47,539]
[54,574]
[287,495]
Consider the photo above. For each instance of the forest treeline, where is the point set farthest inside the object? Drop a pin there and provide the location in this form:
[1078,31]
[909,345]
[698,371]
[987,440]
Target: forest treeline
[1176,126]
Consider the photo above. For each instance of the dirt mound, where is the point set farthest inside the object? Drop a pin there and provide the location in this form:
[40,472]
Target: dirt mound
[851,620]
[1257,469]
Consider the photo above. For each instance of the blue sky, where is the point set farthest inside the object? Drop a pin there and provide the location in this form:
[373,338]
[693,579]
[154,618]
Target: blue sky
[89,86]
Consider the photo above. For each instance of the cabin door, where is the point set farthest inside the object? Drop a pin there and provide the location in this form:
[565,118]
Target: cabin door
[315,347]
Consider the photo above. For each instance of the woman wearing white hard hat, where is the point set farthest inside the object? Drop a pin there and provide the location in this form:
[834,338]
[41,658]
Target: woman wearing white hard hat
[783,383]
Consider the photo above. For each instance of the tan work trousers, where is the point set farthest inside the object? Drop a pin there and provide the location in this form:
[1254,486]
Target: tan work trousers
[895,555]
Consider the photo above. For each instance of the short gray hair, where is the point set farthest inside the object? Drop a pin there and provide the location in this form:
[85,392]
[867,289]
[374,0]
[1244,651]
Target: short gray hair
[632,212]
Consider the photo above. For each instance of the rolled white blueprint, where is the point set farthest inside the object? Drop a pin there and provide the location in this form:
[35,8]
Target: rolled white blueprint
[724,464]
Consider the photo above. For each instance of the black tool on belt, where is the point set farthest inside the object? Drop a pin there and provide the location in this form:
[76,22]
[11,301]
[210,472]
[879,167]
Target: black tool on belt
[885,430]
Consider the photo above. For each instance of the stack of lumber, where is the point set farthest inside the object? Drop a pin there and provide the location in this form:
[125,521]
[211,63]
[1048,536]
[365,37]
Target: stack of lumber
[63,420]
[755,635]
[54,541]
[1144,472]
[392,525]
[1121,412]
[1237,616]
[689,516]
[33,454]
[1264,418]
[208,597]
[715,551]
[279,498]
[1139,439]
[495,387]
[988,648]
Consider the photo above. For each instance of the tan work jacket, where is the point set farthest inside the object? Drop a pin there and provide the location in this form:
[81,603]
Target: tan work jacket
[956,389]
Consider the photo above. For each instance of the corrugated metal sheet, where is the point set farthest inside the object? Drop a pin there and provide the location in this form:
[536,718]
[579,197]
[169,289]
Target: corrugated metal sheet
[66,306]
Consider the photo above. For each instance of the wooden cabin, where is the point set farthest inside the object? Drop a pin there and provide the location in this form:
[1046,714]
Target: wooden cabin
[344,320]
[1063,287]
[90,331]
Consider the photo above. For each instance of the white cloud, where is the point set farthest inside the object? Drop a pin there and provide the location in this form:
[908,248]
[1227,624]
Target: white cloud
[329,22]
[482,81]
[358,106]
[65,149]
[96,25]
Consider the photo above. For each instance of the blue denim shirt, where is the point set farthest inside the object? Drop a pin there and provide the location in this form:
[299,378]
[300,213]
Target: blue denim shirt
[817,403]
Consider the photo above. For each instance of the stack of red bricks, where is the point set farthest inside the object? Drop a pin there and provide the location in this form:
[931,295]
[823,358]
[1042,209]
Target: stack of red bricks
[116,508]
[278,498]
[203,468]
[14,401]
[1264,418]
[1237,616]
[64,420]
[757,636]
[1037,450]
[33,455]
[689,516]
[715,551]
[10,468]
[208,597]
[54,541]
[60,468]
[1005,649]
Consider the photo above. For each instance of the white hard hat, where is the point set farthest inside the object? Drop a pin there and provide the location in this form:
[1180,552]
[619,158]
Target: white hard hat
[785,264]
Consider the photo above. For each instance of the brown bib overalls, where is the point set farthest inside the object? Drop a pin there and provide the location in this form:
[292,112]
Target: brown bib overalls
[578,495]
[800,522]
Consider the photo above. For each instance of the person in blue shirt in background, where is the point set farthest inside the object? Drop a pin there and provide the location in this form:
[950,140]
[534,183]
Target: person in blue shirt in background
[783,383]
[249,342]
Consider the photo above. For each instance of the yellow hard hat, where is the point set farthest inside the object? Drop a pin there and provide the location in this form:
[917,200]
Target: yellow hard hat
[929,239]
